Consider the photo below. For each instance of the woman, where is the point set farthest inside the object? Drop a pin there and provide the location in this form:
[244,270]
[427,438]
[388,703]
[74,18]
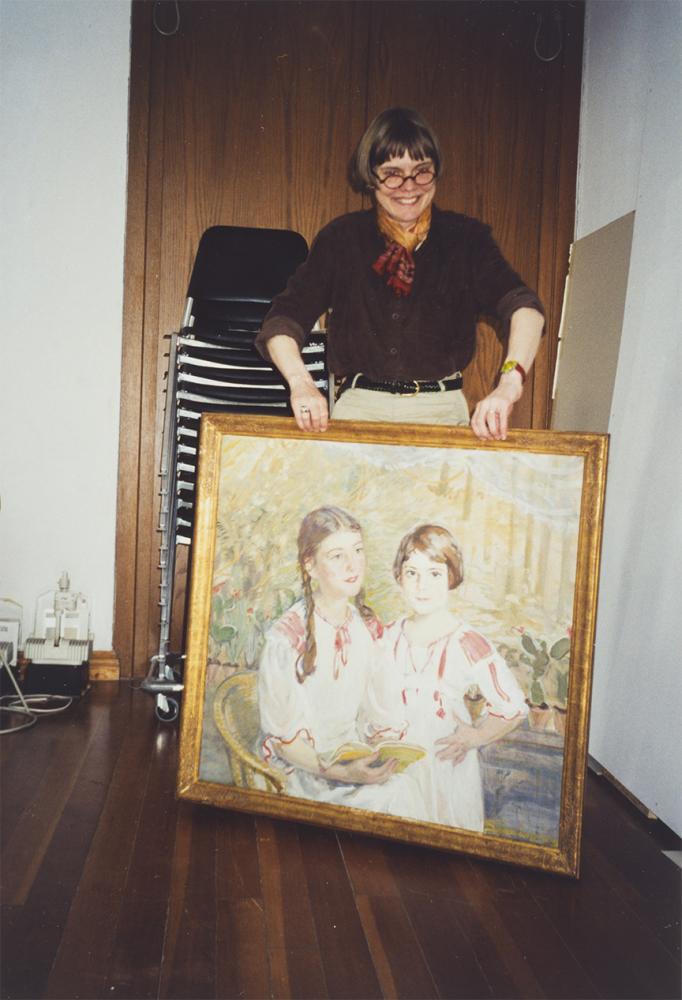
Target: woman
[405,283]
[314,672]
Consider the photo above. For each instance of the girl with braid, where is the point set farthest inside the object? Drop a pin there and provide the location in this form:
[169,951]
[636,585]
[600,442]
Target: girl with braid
[314,674]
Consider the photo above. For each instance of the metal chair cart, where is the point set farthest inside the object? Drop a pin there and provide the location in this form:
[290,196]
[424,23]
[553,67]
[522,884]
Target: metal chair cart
[214,367]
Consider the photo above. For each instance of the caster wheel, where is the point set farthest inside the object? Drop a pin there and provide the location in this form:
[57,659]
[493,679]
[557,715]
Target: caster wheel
[167,709]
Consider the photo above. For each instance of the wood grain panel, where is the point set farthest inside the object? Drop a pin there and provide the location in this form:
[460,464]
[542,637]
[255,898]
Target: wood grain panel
[560,171]
[104,665]
[470,68]
[239,134]
[135,276]
[247,116]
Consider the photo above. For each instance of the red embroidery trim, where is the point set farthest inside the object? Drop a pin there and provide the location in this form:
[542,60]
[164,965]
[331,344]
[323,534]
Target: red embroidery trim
[493,673]
[475,646]
[374,627]
[268,752]
[292,628]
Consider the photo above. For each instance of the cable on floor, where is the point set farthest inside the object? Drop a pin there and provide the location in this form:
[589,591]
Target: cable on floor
[28,706]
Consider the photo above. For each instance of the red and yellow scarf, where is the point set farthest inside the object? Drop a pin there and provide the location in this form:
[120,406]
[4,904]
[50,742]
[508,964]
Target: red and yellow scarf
[396,263]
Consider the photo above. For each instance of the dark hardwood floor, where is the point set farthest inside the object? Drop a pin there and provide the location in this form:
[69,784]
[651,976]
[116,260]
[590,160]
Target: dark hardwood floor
[111,888]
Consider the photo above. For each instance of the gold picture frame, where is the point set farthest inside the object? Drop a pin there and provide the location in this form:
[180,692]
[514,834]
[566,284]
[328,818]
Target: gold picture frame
[526,514]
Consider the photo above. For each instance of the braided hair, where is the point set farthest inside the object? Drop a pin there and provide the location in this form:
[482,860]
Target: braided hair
[317,525]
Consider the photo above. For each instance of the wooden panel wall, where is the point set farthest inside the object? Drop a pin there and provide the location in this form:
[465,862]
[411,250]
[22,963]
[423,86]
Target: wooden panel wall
[248,115]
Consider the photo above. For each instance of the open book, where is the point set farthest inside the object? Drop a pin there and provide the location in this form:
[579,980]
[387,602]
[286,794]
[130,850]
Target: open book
[404,753]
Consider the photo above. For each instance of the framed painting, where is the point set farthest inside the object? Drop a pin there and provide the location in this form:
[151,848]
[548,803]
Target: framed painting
[391,632]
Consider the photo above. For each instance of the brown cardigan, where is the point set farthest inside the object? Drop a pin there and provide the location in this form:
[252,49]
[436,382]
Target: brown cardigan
[460,276]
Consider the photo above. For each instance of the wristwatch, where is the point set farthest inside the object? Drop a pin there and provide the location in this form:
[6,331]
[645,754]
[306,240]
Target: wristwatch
[513,366]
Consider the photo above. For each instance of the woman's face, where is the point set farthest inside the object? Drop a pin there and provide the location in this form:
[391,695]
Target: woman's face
[424,584]
[338,566]
[404,204]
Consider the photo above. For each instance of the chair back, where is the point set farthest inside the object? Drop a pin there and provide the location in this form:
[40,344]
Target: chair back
[235,710]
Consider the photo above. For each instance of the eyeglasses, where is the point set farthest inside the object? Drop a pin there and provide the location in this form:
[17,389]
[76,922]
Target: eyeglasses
[422,177]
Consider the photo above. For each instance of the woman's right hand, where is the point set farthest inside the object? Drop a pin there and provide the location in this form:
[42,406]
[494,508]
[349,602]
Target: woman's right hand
[364,771]
[309,405]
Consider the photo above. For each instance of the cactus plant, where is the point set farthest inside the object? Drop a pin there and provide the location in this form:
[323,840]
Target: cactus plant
[549,669]
[537,658]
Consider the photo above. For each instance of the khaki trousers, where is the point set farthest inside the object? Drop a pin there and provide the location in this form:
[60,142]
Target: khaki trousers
[424,408]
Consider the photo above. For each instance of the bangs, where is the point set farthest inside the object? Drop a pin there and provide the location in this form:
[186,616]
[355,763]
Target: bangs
[393,133]
[410,141]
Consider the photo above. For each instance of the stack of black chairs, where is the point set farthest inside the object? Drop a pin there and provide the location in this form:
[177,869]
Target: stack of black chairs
[215,368]
[236,275]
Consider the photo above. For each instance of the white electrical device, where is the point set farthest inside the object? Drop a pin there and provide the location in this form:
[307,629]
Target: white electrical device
[62,627]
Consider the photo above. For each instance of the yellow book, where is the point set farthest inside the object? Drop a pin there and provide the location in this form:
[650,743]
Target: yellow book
[404,753]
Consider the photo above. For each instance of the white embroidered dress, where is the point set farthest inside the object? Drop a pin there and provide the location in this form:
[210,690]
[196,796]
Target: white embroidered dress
[324,709]
[422,688]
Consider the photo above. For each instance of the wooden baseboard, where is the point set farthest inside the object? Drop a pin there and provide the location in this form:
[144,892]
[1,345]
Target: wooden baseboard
[601,770]
[104,665]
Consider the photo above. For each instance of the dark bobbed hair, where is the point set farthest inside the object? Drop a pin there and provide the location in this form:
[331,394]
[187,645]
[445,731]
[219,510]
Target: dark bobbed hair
[438,544]
[394,132]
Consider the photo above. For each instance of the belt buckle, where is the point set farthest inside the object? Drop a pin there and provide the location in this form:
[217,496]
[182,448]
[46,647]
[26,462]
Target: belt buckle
[416,389]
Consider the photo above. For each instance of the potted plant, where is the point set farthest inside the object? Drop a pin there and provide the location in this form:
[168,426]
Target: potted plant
[548,688]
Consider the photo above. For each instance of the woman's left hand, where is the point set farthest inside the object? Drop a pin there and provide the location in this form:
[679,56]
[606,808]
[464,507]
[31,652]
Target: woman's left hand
[491,417]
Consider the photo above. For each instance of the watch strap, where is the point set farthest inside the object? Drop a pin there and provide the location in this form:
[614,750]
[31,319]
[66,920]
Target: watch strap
[511,365]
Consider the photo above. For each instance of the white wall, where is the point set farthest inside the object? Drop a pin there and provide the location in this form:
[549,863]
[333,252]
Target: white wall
[63,136]
[631,158]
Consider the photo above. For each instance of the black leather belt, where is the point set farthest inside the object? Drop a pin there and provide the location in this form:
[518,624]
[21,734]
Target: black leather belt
[400,388]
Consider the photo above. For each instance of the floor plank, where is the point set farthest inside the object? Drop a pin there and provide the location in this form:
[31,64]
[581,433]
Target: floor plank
[237,868]
[618,951]
[556,971]
[53,889]
[337,921]
[121,890]
[88,939]
[367,866]
[23,772]
[461,960]
[137,956]
[295,962]
[396,953]
[188,971]
[242,967]
[652,889]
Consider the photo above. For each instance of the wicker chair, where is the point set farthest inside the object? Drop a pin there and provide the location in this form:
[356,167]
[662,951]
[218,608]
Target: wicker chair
[235,709]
